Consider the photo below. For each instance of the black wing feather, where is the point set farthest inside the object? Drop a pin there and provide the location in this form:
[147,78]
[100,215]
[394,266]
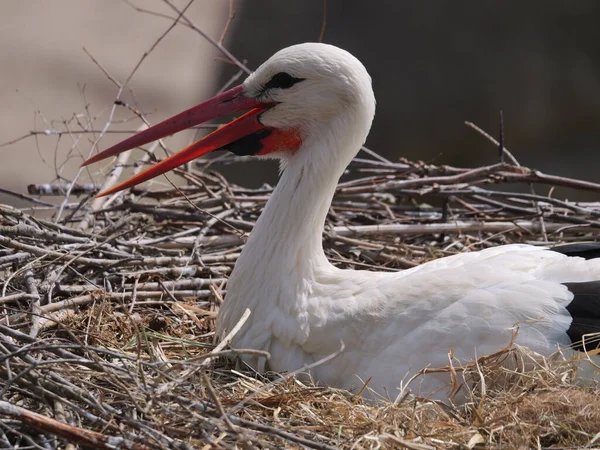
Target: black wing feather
[585,306]
[585,310]
[587,250]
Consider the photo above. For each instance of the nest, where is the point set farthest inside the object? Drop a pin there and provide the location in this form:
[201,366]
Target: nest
[108,308]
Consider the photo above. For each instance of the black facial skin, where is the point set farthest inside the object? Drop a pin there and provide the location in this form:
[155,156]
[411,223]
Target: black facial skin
[282,80]
[251,144]
[248,145]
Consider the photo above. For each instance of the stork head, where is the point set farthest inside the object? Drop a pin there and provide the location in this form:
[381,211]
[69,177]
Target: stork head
[309,84]
[294,96]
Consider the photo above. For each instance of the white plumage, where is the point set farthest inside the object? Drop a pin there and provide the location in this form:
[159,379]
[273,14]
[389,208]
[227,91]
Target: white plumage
[391,324]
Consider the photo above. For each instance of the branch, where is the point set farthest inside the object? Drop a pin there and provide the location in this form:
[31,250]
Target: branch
[73,434]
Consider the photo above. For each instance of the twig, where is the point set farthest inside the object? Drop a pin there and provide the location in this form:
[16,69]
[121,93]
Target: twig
[216,44]
[228,23]
[117,99]
[493,141]
[323,21]
[35,303]
[74,434]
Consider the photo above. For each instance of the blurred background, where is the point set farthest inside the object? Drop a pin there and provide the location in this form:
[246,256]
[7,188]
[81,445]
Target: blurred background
[434,65]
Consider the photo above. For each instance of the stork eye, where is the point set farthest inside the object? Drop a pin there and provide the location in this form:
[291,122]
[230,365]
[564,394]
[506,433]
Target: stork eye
[282,80]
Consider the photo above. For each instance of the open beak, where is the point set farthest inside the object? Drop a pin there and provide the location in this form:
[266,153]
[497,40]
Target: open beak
[245,135]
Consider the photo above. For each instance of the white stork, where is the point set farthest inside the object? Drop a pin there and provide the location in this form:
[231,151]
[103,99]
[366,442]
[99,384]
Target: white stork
[311,106]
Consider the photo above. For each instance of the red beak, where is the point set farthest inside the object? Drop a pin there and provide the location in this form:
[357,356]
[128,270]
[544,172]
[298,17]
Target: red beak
[245,135]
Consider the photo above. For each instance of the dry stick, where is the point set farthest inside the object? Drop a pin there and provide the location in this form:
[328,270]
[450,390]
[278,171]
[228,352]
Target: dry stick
[18,139]
[26,197]
[121,87]
[214,217]
[177,285]
[513,175]
[59,413]
[287,377]
[406,444]
[460,227]
[112,296]
[494,141]
[52,384]
[104,71]
[42,388]
[106,249]
[219,406]
[17,297]
[218,45]
[501,142]
[463,177]
[213,354]
[540,213]
[283,434]
[12,243]
[229,337]
[118,381]
[160,38]
[55,132]
[539,177]
[61,189]
[208,358]
[178,272]
[228,23]
[35,304]
[170,237]
[324,21]
[43,235]
[109,181]
[140,166]
[79,257]
[381,162]
[528,212]
[74,145]
[531,187]
[77,435]
[60,350]
[189,314]
[12,212]
[456,227]
[533,197]
[218,348]
[15,257]
[178,261]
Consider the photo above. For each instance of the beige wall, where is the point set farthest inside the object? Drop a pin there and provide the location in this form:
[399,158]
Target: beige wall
[43,68]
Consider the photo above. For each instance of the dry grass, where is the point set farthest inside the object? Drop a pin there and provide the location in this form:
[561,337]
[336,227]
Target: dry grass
[107,327]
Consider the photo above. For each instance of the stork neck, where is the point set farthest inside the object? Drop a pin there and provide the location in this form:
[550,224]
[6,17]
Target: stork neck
[289,231]
[287,237]
[283,257]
